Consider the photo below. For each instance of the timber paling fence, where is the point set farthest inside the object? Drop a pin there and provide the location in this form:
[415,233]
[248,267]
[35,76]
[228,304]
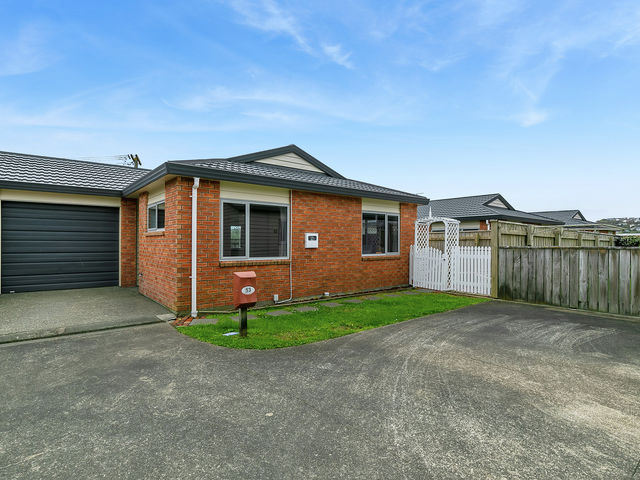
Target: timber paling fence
[605,279]
[510,234]
[558,266]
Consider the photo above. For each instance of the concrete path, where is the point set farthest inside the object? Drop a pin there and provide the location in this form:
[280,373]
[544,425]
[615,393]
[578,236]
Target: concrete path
[61,312]
[496,390]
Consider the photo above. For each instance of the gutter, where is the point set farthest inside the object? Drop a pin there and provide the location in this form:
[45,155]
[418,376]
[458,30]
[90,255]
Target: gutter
[43,187]
[194,246]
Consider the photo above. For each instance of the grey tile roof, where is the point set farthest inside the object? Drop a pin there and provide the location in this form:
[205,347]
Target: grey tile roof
[313,179]
[566,217]
[476,208]
[36,172]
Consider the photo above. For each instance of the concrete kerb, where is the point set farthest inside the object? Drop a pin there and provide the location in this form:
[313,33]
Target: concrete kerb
[77,329]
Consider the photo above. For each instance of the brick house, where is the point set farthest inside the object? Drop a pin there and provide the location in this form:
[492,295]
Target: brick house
[180,230]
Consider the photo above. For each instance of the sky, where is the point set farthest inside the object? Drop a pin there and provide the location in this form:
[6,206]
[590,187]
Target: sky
[537,100]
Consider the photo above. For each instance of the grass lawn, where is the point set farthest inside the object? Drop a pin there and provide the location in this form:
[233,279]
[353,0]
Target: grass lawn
[306,327]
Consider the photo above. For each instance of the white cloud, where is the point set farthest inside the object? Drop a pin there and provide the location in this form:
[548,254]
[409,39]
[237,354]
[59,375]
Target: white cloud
[268,16]
[377,105]
[531,117]
[337,55]
[27,52]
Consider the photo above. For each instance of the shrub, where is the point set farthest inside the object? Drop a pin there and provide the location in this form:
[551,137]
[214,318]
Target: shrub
[628,241]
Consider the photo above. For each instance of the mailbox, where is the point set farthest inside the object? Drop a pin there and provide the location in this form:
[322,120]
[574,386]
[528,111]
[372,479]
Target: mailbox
[244,289]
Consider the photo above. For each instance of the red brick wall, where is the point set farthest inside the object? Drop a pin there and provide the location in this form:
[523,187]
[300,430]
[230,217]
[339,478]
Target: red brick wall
[157,251]
[337,266]
[128,208]
[483,225]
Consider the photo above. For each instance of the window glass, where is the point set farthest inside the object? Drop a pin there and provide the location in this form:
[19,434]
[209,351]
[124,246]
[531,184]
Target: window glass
[152,223]
[234,234]
[373,233]
[267,231]
[394,231]
[160,208]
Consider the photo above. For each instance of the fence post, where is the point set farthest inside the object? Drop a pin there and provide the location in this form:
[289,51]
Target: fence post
[557,238]
[529,236]
[495,250]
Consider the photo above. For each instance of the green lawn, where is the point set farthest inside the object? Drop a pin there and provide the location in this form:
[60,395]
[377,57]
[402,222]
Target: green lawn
[299,328]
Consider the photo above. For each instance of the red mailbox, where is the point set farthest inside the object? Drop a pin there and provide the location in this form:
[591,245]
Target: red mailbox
[244,289]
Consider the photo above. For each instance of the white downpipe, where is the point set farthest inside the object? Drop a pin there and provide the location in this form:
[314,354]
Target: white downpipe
[194,246]
[290,250]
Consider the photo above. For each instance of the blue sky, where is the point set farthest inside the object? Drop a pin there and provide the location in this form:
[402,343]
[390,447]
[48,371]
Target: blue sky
[537,100]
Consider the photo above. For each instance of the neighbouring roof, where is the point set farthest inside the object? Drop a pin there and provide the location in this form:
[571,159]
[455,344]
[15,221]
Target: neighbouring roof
[34,172]
[248,169]
[63,175]
[568,217]
[574,218]
[481,207]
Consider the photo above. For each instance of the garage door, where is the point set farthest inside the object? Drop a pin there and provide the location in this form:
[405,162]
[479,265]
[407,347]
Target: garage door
[53,247]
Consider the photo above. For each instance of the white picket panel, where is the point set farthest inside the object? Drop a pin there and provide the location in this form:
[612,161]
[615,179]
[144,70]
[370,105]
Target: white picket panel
[469,267]
[429,268]
[472,267]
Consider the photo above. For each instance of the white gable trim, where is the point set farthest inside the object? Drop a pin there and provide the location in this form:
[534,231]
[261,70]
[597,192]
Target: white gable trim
[290,160]
[496,202]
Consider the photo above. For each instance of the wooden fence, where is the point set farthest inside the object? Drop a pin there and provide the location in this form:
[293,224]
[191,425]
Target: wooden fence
[589,278]
[509,234]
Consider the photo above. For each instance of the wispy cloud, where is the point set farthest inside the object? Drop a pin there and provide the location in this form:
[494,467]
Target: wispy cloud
[27,52]
[269,16]
[281,99]
[528,58]
[337,55]
[530,117]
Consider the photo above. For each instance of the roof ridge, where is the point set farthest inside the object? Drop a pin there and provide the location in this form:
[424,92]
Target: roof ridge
[467,196]
[26,155]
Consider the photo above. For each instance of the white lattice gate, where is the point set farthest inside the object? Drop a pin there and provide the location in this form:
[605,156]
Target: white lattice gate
[464,269]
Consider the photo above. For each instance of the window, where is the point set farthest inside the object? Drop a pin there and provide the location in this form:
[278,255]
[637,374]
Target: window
[155,217]
[380,233]
[254,230]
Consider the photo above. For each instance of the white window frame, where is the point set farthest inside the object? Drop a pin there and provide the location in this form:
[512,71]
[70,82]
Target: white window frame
[247,223]
[386,227]
[149,207]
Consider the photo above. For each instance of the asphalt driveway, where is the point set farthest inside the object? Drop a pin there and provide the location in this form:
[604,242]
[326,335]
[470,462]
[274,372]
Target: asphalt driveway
[58,312]
[496,390]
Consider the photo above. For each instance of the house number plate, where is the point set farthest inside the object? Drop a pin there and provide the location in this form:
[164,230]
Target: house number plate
[248,290]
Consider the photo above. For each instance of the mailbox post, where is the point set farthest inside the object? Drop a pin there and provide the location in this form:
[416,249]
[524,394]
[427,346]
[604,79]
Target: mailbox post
[244,295]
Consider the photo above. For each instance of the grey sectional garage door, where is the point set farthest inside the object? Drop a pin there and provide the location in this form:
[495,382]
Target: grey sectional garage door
[53,247]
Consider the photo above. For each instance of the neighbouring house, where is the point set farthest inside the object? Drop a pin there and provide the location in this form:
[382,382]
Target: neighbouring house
[574,219]
[475,212]
[180,230]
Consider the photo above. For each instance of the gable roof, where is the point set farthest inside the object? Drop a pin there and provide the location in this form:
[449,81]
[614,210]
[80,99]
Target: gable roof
[34,172]
[275,176]
[64,175]
[568,217]
[477,207]
[257,156]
